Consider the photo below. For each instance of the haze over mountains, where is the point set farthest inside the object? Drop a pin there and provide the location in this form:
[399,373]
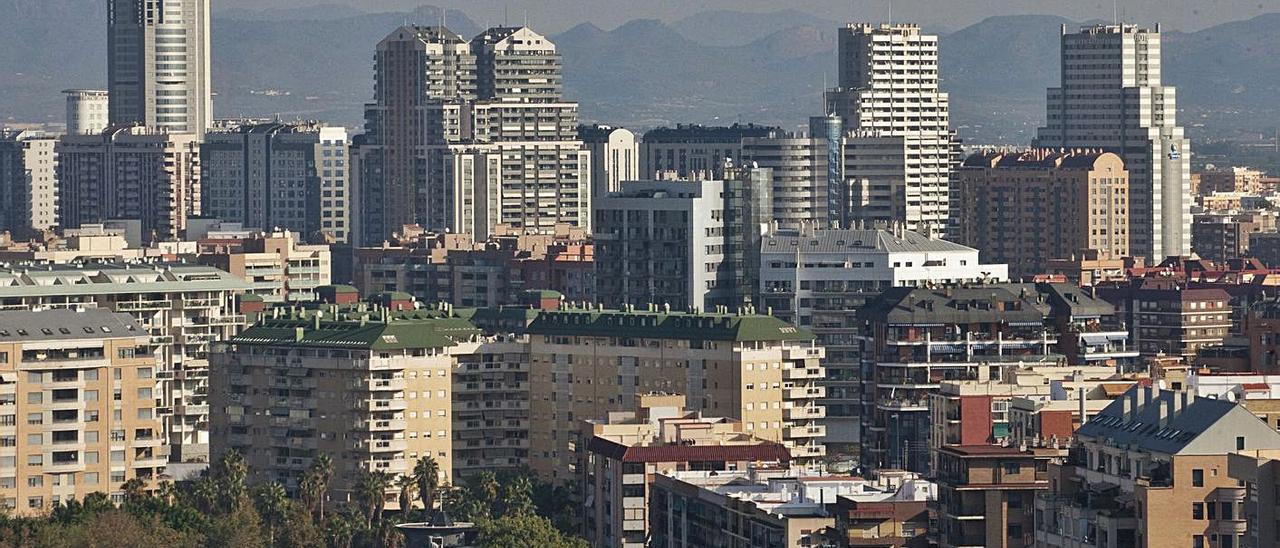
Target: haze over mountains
[713,67]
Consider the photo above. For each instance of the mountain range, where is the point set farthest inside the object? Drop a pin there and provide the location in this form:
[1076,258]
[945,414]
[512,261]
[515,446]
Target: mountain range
[713,67]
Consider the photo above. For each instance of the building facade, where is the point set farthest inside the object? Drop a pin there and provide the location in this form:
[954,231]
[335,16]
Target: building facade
[818,279]
[900,151]
[615,157]
[182,308]
[694,151]
[87,111]
[130,172]
[986,495]
[1027,209]
[277,266]
[28,182]
[278,176]
[158,68]
[84,384]
[1112,97]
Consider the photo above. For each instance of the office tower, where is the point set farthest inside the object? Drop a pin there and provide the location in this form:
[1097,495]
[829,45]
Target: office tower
[86,111]
[158,64]
[1111,97]
[28,181]
[586,362]
[694,151]
[81,415]
[467,135]
[371,389]
[615,157]
[899,149]
[818,279]
[278,176]
[278,267]
[798,161]
[682,243]
[130,172]
[1025,209]
[183,308]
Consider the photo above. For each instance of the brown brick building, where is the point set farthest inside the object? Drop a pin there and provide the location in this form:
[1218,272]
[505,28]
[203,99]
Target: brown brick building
[1027,208]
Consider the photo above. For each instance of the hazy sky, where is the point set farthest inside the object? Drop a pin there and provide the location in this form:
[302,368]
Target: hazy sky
[557,15]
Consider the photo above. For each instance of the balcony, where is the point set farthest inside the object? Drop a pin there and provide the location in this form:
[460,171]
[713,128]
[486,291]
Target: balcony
[795,432]
[801,353]
[385,385]
[384,405]
[381,425]
[805,392]
[142,306]
[794,373]
[804,413]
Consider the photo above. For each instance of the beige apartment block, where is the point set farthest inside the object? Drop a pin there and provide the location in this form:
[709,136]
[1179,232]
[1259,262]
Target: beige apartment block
[278,266]
[369,388]
[585,363]
[78,407]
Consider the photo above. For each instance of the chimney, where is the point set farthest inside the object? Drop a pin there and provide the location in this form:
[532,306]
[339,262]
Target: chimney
[1146,397]
[1083,414]
[1127,411]
[1165,408]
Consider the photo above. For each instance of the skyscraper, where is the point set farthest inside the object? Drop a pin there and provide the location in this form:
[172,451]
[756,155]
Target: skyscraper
[28,181]
[1111,97]
[465,135]
[899,148]
[158,64]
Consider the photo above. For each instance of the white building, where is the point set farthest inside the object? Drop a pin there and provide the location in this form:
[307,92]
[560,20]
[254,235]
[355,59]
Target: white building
[28,181]
[818,279]
[615,154]
[158,64]
[799,166]
[86,111]
[1111,96]
[889,100]
[303,184]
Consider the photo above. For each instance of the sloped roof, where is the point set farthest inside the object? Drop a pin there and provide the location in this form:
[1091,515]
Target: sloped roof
[66,325]
[846,240]
[764,451]
[1205,426]
[349,334]
[1021,303]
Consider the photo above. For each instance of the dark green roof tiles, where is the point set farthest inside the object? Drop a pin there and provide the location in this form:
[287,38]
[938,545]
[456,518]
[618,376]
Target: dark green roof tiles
[368,335]
[662,325]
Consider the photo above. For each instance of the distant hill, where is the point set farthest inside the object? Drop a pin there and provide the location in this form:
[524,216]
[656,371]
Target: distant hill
[715,67]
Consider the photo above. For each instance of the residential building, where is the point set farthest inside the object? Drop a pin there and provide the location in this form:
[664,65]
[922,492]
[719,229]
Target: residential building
[742,509]
[130,172]
[899,151]
[682,243]
[1257,470]
[1231,179]
[1025,209]
[270,176]
[1152,470]
[490,406]
[28,182]
[902,520]
[1111,97]
[370,388]
[1224,236]
[457,269]
[1089,268]
[625,451]
[1170,319]
[694,151]
[456,130]
[61,368]
[158,64]
[586,362]
[86,111]
[916,338]
[1265,246]
[276,265]
[182,308]
[986,493]
[818,279]
[615,157]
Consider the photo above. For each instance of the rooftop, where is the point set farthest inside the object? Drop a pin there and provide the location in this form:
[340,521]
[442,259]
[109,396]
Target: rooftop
[391,333]
[113,278]
[1175,422]
[666,325]
[854,240]
[66,324]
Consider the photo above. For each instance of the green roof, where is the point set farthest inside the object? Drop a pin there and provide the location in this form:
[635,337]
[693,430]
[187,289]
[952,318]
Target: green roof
[365,335]
[249,298]
[338,288]
[544,293]
[667,325]
[392,295]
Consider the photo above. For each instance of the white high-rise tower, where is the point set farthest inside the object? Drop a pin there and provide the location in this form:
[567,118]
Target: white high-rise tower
[158,64]
[1111,97]
[899,147]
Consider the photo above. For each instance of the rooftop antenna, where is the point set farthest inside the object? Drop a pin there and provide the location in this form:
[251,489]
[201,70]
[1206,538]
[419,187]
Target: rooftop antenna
[1115,12]
[505,21]
[444,18]
[526,18]
[890,16]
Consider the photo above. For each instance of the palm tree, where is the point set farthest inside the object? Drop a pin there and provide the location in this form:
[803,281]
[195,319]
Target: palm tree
[484,486]
[406,485]
[317,479]
[230,472]
[426,473]
[371,491]
[272,505]
[205,493]
[517,497]
[134,490]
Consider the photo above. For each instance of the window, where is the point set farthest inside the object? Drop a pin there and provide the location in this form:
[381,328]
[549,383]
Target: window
[1197,477]
[1228,510]
[1197,510]
[1015,499]
[1012,468]
[1239,443]
[1197,541]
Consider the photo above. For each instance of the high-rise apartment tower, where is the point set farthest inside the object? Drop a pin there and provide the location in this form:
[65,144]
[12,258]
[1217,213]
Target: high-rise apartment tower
[158,64]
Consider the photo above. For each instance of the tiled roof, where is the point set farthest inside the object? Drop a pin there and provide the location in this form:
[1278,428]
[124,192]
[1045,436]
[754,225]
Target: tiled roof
[1202,426]
[113,278]
[664,325]
[365,335]
[66,324]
